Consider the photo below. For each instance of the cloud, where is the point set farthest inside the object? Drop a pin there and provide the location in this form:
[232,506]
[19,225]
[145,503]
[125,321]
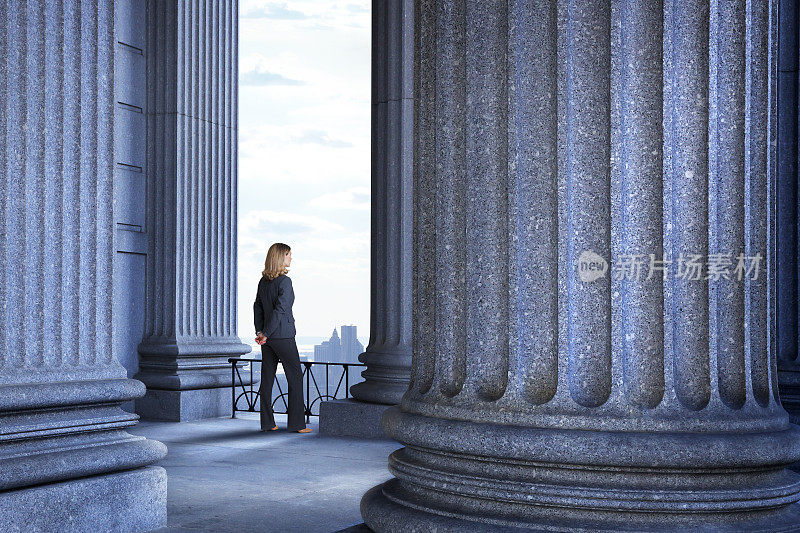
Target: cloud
[356,8]
[283,223]
[275,11]
[317,242]
[266,78]
[321,138]
[357,198]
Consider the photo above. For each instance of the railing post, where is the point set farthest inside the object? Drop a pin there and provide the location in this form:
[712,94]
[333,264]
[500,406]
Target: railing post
[233,388]
[308,393]
[252,363]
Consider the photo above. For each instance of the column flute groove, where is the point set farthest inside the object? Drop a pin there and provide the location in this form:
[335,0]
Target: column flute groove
[756,169]
[726,214]
[4,184]
[534,368]
[55,43]
[689,308]
[34,179]
[486,178]
[588,197]
[451,319]
[642,324]
[425,209]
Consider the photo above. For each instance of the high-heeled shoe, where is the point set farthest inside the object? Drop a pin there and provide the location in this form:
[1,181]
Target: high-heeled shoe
[304,430]
[271,429]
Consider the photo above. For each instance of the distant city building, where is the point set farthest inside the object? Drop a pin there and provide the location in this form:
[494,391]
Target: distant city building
[344,350]
[351,347]
[329,350]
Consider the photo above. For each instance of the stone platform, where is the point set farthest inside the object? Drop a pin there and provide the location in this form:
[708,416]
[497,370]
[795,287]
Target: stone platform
[184,405]
[123,501]
[352,418]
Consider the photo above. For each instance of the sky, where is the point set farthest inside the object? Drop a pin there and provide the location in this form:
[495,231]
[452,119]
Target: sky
[304,157]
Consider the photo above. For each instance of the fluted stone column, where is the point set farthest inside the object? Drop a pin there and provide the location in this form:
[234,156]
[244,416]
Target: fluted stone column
[190,317]
[788,266]
[388,355]
[67,462]
[546,398]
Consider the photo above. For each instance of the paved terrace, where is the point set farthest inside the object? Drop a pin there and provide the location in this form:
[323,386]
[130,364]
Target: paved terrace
[225,475]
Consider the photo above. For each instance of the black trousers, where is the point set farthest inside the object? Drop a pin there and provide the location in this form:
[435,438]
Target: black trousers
[285,351]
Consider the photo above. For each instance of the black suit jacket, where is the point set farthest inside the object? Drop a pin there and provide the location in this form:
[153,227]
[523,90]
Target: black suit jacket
[272,309]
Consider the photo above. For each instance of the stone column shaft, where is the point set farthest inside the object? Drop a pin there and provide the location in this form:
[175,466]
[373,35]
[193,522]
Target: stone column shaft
[787,261]
[62,431]
[548,131]
[388,354]
[190,319]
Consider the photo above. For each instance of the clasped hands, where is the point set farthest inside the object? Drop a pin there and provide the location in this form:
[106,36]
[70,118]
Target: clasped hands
[261,339]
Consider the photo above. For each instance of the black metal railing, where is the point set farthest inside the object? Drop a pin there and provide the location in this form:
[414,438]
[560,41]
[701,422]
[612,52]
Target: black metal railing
[251,395]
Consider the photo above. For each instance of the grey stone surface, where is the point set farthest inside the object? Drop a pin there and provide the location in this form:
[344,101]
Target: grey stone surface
[388,354]
[352,418]
[227,476]
[537,399]
[67,460]
[190,319]
[184,405]
[358,528]
[133,500]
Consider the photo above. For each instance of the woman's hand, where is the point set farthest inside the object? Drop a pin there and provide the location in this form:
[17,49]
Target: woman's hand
[261,339]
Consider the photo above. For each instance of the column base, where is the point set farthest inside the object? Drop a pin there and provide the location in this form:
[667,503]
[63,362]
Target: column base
[382,512]
[379,392]
[462,475]
[352,418]
[135,500]
[386,377]
[184,405]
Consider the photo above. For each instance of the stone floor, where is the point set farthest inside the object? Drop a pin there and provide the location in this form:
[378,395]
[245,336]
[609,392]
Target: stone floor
[225,475]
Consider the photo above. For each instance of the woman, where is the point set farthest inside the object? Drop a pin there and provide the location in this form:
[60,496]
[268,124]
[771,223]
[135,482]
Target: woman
[275,333]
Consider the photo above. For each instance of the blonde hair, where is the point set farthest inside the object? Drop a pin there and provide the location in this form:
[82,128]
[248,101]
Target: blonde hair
[275,264]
